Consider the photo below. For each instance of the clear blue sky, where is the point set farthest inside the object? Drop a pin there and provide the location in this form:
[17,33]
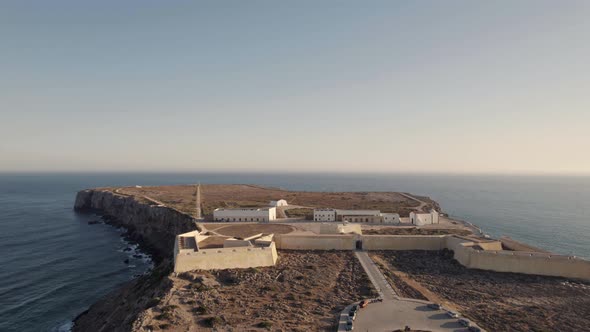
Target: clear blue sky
[386,86]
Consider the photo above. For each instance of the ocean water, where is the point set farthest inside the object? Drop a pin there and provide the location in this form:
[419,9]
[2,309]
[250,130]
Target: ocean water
[53,264]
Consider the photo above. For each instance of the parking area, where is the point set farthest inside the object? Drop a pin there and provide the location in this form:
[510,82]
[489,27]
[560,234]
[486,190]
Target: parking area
[393,312]
[391,315]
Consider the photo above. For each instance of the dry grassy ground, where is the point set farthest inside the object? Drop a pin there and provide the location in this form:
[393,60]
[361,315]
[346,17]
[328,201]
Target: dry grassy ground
[498,301]
[305,291]
[183,198]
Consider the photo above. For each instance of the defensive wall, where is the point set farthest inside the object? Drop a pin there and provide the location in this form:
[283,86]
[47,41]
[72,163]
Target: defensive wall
[222,258]
[491,258]
[529,263]
[316,242]
[403,242]
[518,261]
[339,228]
[331,228]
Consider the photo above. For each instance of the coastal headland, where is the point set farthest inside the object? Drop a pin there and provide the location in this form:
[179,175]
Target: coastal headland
[306,289]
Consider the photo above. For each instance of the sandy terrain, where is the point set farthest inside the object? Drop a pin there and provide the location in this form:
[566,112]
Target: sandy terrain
[183,198]
[497,301]
[305,291]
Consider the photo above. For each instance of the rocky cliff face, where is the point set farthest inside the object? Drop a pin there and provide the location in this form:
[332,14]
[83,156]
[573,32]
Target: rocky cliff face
[155,228]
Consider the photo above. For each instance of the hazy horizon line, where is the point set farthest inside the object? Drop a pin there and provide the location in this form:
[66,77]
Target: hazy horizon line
[286,172]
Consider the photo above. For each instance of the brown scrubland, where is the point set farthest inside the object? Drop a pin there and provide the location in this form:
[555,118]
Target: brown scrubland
[497,301]
[183,198]
[305,291]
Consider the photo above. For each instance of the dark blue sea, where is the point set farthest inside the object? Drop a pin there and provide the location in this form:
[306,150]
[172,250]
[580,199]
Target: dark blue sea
[53,264]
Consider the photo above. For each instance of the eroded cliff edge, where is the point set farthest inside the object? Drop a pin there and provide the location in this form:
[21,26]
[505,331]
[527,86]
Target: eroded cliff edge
[155,228]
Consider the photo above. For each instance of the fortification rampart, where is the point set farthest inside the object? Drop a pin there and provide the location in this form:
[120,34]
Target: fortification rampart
[464,253]
[224,258]
[316,242]
[518,262]
[541,264]
[403,242]
[339,228]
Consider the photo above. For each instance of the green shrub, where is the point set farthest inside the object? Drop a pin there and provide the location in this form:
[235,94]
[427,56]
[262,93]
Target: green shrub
[153,302]
[253,270]
[169,307]
[199,287]
[201,310]
[163,316]
[265,325]
[212,321]
[269,288]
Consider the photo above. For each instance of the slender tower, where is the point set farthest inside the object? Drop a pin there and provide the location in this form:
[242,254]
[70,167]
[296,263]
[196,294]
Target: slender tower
[198,201]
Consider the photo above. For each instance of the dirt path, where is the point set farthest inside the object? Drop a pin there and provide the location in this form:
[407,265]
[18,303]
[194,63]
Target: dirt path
[422,203]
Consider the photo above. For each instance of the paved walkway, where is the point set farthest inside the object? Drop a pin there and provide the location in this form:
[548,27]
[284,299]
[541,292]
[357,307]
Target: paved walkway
[377,278]
[395,312]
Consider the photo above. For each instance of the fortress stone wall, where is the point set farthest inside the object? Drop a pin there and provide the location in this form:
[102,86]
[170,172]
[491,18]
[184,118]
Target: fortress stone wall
[518,262]
[466,251]
[455,244]
[223,258]
[315,242]
[529,263]
[492,258]
[339,228]
[403,242]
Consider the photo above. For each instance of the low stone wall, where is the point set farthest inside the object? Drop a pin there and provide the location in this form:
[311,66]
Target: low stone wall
[492,245]
[315,242]
[236,243]
[518,262]
[461,254]
[530,263]
[225,258]
[339,228]
[403,242]
[493,260]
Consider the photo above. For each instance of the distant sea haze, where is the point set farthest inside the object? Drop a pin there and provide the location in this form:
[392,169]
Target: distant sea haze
[54,264]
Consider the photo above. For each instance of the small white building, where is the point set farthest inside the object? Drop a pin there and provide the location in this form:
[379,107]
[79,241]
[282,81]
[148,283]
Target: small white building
[324,215]
[390,218]
[265,214]
[420,219]
[371,216]
[365,216]
[280,202]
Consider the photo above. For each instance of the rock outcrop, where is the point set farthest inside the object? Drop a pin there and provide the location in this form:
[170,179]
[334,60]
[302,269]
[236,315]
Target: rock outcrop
[154,227]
